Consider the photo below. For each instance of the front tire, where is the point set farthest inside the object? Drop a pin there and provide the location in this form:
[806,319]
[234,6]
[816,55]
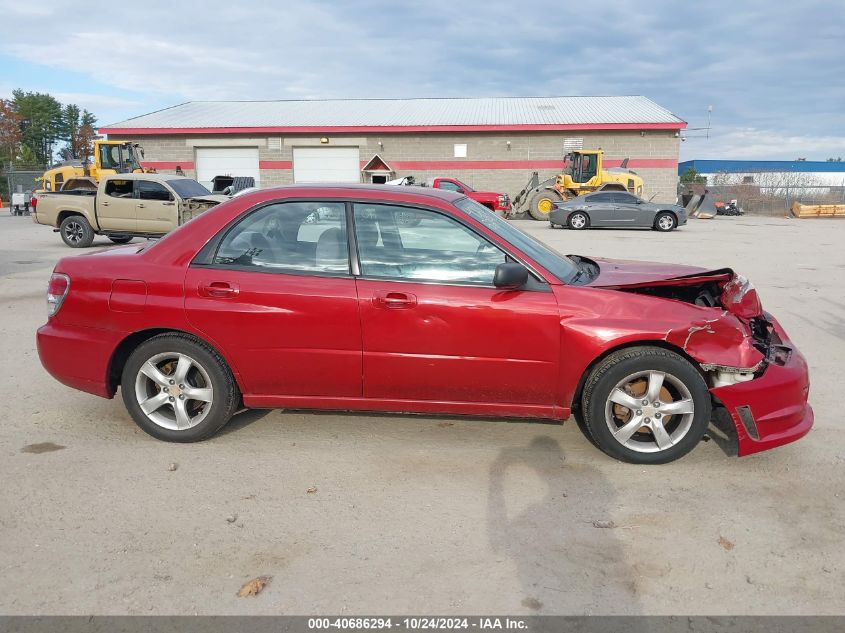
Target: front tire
[178,389]
[665,222]
[645,405]
[542,204]
[76,232]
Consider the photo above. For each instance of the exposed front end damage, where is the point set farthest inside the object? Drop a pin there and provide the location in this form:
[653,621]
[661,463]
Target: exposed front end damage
[756,375]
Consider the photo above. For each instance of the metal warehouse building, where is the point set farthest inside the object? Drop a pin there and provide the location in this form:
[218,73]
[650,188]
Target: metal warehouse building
[491,143]
[768,172]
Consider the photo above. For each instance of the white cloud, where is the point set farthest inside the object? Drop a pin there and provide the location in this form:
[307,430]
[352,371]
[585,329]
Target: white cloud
[774,73]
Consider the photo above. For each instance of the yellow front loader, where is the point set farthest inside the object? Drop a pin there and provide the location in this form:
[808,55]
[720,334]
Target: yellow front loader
[110,157]
[583,173]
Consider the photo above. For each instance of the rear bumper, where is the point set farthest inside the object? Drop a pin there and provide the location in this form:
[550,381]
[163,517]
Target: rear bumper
[771,410]
[78,357]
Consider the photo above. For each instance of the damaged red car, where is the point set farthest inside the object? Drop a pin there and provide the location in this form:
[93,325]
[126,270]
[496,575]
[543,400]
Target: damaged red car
[419,300]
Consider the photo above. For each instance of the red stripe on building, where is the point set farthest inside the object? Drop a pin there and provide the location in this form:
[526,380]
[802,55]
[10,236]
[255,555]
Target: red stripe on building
[391,129]
[168,164]
[643,163]
[275,164]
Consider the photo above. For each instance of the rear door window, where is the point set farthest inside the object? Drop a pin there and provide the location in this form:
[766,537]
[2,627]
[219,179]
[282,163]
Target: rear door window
[306,237]
[119,188]
[624,198]
[600,198]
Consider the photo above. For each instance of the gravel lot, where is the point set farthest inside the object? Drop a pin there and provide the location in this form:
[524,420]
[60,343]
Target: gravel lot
[391,515]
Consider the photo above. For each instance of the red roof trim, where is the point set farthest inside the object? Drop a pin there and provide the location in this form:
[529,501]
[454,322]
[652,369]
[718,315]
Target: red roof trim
[386,129]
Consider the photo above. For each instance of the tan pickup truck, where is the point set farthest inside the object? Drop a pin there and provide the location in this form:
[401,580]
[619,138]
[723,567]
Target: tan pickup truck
[123,206]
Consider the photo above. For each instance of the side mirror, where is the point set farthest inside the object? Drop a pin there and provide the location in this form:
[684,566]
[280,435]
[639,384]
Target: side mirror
[510,276]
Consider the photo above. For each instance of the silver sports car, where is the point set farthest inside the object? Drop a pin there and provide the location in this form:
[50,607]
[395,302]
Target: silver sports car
[616,209]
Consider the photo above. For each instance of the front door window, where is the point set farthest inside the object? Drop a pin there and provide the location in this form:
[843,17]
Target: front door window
[415,244]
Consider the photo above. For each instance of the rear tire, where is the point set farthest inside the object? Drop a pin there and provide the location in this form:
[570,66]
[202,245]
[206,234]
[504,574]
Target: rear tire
[579,221]
[178,389]
[76,232]
[667,412]
[123,239]
[665,222]
[542,204]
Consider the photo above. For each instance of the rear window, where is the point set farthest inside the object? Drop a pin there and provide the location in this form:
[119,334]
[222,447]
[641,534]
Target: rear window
[187,188]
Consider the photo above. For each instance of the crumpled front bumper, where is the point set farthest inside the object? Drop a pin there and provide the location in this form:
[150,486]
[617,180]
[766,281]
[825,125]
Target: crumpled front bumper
[771,410]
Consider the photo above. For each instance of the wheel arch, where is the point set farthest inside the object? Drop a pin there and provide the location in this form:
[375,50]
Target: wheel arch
[66,213]
[669,211]
[131,342]
[579,389]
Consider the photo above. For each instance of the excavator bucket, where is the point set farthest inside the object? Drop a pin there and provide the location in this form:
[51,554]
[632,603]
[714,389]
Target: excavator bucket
[706,209]
[692,205]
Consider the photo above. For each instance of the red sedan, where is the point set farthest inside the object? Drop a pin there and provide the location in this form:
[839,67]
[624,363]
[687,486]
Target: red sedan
[418,300]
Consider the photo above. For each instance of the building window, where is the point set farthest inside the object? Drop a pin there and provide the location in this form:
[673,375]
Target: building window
[460,150]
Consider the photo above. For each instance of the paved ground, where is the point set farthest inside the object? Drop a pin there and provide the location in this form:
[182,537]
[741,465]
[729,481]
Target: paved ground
[419,514]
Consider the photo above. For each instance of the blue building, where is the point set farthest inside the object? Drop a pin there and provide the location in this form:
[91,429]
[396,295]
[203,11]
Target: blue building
[752,171]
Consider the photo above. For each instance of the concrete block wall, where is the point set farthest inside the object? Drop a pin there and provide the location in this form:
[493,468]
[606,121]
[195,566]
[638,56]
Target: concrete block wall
[518,154]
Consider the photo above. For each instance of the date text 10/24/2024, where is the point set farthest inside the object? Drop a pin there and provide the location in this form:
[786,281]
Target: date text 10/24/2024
[418,623]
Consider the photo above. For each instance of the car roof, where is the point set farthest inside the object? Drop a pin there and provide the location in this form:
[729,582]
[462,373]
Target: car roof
[351,189]
[154,177]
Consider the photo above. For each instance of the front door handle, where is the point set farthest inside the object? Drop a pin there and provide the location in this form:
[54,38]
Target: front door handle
[218,290]
[394,300]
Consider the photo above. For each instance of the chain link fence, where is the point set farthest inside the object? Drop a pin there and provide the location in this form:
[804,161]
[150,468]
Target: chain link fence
[775,200]
[19,179]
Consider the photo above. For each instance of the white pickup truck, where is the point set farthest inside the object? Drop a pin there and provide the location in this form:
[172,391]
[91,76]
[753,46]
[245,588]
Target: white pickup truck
[123,206]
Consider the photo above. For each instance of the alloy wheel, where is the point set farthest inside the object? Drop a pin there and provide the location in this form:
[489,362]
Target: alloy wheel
[74,232]
[578,221]
[174,391]
[666,222]
[649,411]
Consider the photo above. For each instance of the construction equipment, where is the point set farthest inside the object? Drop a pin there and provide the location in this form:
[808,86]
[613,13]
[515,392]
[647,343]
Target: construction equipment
[110,157]
[583,173]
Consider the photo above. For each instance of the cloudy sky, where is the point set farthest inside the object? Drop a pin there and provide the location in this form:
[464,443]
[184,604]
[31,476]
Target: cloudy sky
[774,73]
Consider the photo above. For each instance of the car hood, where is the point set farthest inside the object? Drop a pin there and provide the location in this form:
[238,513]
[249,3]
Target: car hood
[210,198]
[485,194]
[621,272]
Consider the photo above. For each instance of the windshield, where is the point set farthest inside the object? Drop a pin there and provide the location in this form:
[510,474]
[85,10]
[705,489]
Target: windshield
[559,265]
[187,188]
[132,159]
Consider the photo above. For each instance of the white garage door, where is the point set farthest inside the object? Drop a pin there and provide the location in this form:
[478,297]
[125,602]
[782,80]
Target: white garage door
[326,164]
[227,161]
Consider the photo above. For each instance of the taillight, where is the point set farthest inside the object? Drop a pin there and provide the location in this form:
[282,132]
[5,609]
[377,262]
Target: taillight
[33,202]
[57,290]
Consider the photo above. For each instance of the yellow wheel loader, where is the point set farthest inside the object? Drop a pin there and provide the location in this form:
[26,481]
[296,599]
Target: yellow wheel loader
[583,173]
[110,157]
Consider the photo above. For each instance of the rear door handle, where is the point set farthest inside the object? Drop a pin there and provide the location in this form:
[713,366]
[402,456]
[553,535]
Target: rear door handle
[218,289]
[394,300]
[140,206]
